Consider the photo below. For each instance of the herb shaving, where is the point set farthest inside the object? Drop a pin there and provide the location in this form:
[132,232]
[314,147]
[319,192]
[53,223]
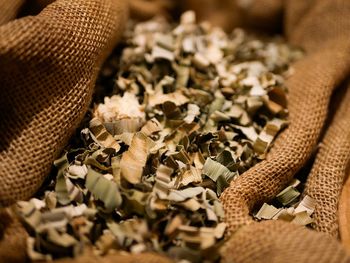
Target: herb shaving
[192,108]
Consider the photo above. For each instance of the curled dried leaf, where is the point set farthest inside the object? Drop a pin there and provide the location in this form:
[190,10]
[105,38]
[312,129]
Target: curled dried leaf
[103,189]
[134,160]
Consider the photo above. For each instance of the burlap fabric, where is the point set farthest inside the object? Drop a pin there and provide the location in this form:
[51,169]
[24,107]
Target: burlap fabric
[280,242]
[344,212]
[327,176]
[119,257]
[9,9]
[48,66]
[12,238]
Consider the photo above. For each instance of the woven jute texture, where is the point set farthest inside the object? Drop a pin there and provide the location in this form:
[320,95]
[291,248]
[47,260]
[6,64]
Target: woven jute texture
[12,238]
[48,65]
[281,242]
[327,176]
[116,258]
[9,9]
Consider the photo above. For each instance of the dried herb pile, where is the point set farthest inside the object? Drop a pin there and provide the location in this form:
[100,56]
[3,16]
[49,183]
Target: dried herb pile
[192,108]
[289,206]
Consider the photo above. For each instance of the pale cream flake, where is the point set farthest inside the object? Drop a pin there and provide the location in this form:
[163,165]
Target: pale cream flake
[119,107]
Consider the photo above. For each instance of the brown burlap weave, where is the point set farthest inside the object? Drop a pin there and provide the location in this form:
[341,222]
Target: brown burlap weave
[9,9]
[48,65]
[280,242]
[327,176]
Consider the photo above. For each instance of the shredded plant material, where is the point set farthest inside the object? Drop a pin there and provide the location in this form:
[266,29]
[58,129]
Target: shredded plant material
[192,108]
[288,206]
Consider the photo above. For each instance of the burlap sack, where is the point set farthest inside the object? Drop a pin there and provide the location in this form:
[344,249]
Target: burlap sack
[49,63]
[48,66]
[281,242]
[326,179]
[9,10]
[344,212]
[12,238]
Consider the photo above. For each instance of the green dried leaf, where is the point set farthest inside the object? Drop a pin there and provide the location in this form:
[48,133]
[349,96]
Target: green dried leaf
[61,239]
[28,213]
[135,202]
[61,190]
[102,135]
[218,173]
[193,175]
[77,171]
[35,255]
[151,127]
[192,112]
[249,132]
[134,229]
[308,205]
[267,212]
[302,219]
[288,195]
[182,195]
[103,189]
[55,219]
[127,125]
[191,204]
